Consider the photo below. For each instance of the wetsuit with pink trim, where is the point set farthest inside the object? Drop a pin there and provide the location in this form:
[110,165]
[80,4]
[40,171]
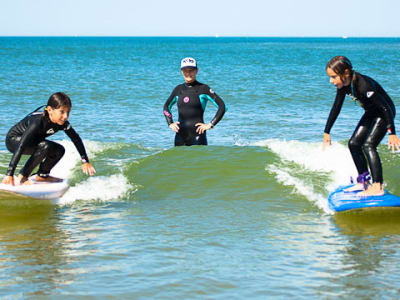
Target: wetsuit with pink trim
[191,100]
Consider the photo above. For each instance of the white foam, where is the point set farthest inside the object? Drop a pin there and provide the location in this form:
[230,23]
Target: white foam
[71,157]
[101,188]
[283,176]
[335,161]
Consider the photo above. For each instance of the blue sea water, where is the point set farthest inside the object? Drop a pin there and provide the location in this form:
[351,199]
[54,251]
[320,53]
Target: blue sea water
[243,218]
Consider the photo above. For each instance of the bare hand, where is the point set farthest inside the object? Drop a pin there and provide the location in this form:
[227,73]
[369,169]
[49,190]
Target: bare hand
[8,180]
[88,169]
[201,127]
[327,139]
[393,142]
[174,126]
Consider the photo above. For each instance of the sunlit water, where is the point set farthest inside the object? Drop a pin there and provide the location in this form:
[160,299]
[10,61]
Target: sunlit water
[244,218]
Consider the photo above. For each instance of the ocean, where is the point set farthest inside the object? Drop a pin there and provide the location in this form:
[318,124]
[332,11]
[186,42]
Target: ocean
[243,218]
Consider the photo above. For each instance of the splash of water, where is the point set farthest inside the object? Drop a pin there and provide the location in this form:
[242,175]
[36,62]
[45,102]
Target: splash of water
[103,188]
[335,161]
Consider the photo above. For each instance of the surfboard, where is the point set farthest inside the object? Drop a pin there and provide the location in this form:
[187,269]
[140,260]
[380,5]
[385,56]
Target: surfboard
[339,200]
[37,190]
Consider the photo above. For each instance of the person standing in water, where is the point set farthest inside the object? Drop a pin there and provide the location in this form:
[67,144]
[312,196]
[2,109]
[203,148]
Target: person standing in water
[377,120]
[28,137]
[191,98]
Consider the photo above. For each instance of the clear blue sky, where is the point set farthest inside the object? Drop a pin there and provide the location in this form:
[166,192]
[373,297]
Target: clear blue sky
[200,18]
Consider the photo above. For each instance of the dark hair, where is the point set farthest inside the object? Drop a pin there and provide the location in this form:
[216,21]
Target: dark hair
[339,65]
[59,99]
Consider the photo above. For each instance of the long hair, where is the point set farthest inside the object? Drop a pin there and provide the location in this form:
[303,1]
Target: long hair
[339,65]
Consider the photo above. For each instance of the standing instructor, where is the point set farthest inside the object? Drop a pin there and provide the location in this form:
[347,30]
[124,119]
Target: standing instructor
[191,98]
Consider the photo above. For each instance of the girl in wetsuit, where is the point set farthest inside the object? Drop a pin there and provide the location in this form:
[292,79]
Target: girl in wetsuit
[191,98]
[377,120]
[29,137]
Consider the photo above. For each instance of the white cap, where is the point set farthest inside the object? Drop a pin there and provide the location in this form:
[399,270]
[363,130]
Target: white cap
[188,62]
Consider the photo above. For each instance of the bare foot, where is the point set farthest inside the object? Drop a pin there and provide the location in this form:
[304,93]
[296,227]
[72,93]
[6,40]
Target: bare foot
[373,190]
[356,187]
[24,180]
[47,179]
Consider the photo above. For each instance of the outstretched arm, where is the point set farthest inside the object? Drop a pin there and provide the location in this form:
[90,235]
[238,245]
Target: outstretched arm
[335,110]
[87,168]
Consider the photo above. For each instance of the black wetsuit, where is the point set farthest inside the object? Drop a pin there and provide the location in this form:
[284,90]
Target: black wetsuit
[29,137]
[191,100]
[376,121]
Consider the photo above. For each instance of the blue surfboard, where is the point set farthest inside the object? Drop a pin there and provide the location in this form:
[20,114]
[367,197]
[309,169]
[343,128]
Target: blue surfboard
[340,200]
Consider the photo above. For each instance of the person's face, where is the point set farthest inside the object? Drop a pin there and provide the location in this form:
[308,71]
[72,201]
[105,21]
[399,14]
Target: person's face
[189,74]
[336,80]
[58,115]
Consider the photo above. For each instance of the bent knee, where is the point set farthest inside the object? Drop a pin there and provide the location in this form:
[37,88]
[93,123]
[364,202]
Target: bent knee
[51,148]
[43,146]
[58,149]
[353,144]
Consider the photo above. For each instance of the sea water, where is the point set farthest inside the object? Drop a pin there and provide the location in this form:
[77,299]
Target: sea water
[243,218]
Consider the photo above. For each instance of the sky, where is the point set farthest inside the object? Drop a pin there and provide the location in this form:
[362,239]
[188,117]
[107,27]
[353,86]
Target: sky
[288,18]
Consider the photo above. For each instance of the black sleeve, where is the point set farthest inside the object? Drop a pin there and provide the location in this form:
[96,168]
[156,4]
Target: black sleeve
[379,102]
[27,138]
[218,102]
[335,110]
[168,104]
[76,139]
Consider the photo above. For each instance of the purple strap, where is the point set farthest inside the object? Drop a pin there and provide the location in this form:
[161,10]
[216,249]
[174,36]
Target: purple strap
[364,178]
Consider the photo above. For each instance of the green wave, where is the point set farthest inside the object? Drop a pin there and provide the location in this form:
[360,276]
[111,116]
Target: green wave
[203,173]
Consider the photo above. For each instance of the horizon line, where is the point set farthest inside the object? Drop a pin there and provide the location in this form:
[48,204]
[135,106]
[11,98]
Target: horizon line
[202,36]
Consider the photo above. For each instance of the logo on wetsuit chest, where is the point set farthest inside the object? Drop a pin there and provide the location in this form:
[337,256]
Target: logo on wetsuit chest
[50,131]
[186,99]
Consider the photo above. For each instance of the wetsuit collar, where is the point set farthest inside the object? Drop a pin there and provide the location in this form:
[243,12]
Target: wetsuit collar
[191,84]
[46,118]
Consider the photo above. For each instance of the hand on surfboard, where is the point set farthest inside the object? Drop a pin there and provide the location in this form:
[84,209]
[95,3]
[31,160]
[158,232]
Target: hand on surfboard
[326,140]
[8,180]
[393,142]
[88,169]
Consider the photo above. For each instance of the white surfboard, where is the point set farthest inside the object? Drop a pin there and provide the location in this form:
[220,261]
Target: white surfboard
[37,190]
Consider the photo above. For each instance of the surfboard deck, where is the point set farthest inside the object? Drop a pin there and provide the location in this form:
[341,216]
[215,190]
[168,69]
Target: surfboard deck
[339,200]
[37,190]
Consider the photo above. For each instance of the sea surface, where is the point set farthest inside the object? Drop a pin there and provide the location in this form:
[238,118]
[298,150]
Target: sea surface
[243,218]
